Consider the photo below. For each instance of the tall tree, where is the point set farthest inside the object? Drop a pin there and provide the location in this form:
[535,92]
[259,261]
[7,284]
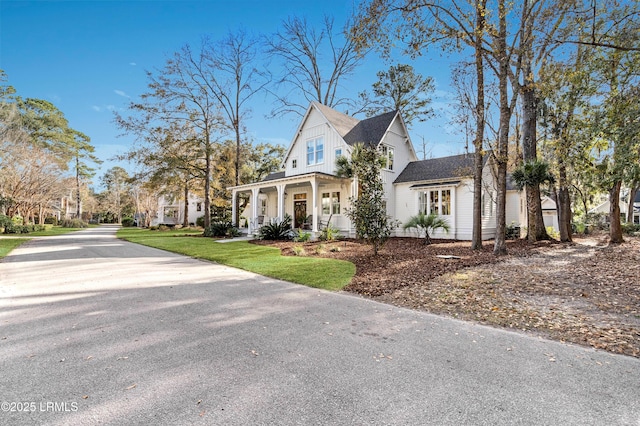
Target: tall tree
[180,94]
[452,25]
[315,64]
[234,80]
[400,89]
[116,182]
[83,152]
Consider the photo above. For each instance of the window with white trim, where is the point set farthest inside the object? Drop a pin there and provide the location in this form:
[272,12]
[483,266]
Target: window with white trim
[434,205]
[436,201]
[338,152]
[315,151]
[446,202]
[387,154]
[294,163]
[330,203]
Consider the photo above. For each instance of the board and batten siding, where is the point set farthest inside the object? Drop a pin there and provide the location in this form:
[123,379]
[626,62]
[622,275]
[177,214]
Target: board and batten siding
[315,126]
[397,138]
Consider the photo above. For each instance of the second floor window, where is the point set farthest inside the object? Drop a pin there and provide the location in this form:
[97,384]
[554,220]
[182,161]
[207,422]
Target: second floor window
[315,151]
[387,153]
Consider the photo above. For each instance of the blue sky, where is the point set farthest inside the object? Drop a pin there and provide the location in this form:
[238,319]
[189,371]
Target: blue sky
[89,59]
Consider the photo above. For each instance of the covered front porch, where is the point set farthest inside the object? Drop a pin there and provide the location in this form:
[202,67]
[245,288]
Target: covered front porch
[312,200]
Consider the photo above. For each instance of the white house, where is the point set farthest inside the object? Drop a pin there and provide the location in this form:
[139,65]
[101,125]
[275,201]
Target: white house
[171,210]
[624,206]
[309,191]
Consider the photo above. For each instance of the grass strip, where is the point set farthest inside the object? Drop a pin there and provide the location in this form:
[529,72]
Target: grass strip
[8,244]
[328,274]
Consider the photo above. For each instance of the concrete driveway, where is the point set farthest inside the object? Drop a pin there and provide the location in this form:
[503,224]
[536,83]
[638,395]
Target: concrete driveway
[99,331]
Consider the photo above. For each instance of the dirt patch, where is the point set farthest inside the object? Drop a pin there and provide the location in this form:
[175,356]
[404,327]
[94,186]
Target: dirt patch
[587,292]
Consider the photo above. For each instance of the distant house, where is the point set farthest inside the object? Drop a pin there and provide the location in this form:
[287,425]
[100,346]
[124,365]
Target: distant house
[624,206]
[309,191]
[171,210]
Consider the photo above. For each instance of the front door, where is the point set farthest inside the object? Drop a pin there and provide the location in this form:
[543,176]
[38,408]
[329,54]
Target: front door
[299,213]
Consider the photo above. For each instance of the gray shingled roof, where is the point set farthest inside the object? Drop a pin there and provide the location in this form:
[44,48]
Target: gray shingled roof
[341,122]
[456,166]
[371,130]
[273,176]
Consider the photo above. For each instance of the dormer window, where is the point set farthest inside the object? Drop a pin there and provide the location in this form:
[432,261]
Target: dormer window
[387,153]
[315,151]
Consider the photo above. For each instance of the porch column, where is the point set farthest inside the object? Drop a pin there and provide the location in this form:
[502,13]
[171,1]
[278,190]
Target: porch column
[314,204]
[454,213]
[234,196]
[281,210]
[253,225]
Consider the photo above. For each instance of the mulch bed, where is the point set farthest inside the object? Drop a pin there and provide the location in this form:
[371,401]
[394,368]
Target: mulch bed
[587,292]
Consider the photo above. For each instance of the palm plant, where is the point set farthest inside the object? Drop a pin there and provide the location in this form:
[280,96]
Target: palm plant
[277,230]
[427,224]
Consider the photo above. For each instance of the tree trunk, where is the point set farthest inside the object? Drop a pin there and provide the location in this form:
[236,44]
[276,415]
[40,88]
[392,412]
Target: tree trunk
[77,187]
[476,236]
[563,204]
[236,219]
[615,230]
[502,156]
[535,222]
[207,183]
[185,219]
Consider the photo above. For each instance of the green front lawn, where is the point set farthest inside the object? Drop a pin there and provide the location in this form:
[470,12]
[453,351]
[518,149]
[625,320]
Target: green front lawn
[8,244]
[327,274]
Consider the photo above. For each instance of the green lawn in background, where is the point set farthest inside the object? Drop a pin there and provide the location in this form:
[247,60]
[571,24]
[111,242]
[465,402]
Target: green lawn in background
[8,244]
[328,274]
[51,231]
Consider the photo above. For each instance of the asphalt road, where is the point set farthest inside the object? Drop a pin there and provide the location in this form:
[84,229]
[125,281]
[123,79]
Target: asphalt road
[99,331]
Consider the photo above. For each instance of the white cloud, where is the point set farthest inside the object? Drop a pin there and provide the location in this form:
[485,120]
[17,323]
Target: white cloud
[133,64]
[96,108]
[121,93]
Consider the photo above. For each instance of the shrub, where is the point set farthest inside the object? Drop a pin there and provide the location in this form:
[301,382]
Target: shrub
[329,233]
[51,220]
[298,251]
[234,232]
[302,236]
[73,223]
[219,229]
[580,227]
[320,249]
[200,222]
[335,249]
[553,233]
[277,230]
[128,222]
[512,232]
[631,228]
[5,221]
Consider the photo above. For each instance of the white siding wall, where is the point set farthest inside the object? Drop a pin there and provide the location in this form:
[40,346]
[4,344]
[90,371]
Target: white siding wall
[396,137]
[513,211]
[194,214]
[461,219]
[314,127]
[464,210]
